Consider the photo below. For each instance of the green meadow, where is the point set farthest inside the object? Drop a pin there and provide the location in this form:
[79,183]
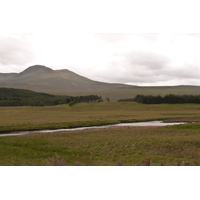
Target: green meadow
[127,146]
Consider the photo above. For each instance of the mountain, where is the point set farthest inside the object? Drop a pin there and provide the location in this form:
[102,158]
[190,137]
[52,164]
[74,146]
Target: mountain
[5,77]
[39,78]
[43,79]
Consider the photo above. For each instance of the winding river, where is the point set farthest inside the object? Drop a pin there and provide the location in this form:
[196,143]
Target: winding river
[150,123]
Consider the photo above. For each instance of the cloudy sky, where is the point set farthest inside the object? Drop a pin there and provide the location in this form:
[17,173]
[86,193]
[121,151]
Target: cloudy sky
[134,58]
[145,43]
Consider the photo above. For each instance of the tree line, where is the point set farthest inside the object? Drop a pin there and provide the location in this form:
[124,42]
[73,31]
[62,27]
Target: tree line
[31,102]
[169,99]
[20,97]
[84,99]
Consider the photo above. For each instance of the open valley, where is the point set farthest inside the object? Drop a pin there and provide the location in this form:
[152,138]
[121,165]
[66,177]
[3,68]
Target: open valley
[131,146]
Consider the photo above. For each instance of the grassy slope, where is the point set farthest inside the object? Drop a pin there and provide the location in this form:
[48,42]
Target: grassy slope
[6,76]
[113,92]
[62,82]
[131,92]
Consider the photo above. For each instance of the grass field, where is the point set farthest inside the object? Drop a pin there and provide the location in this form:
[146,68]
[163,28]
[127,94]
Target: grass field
[171,145]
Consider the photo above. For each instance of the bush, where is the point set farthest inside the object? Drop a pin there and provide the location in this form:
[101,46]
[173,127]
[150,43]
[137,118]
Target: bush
[71,103]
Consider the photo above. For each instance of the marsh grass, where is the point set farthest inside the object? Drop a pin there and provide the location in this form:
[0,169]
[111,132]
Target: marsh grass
[120,146]
[56,161]
[88,114]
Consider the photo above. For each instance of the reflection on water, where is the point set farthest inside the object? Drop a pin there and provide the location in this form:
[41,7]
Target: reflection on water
[151,123]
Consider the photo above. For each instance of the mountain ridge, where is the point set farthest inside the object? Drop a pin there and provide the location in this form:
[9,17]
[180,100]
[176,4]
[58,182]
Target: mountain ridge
[43,79]
[40,78]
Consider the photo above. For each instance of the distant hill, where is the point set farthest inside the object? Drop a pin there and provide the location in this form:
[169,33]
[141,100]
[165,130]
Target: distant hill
[21,93]
[65,82]
[5,77]
[21,97]
[43,79]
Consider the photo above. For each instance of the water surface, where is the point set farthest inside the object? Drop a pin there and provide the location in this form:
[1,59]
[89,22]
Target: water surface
[150,123]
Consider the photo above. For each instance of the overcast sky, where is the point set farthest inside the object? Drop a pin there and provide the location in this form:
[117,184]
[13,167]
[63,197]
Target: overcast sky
[139,59]
[109,41]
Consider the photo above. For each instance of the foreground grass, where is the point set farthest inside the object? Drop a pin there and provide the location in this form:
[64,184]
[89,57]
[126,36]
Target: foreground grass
[173,145]
[129,146]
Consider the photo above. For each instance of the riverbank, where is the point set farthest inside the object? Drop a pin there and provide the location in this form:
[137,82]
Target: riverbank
[85,114]
[141,124]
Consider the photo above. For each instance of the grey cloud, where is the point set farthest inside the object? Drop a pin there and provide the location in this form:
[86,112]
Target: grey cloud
[140,67]
[15,50]
[187,71]
[148,68]
[147,60]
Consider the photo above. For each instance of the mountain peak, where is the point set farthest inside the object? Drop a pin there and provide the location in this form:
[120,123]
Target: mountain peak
[34,71]
[37,68]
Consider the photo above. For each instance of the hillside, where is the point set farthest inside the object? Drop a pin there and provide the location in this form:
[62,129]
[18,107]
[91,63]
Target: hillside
[20,93]
[21,97]
[6,77]
[65,82]
[43,79]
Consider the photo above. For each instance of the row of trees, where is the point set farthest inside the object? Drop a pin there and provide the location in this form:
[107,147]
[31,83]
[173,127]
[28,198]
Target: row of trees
[170,99]
[41,101]
[21,97]
[83,99]
[30,102]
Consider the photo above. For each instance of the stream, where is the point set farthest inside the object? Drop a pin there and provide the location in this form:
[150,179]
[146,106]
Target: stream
[150,123]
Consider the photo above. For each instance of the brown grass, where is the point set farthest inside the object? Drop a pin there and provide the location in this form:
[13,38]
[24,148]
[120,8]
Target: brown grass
[119,146]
